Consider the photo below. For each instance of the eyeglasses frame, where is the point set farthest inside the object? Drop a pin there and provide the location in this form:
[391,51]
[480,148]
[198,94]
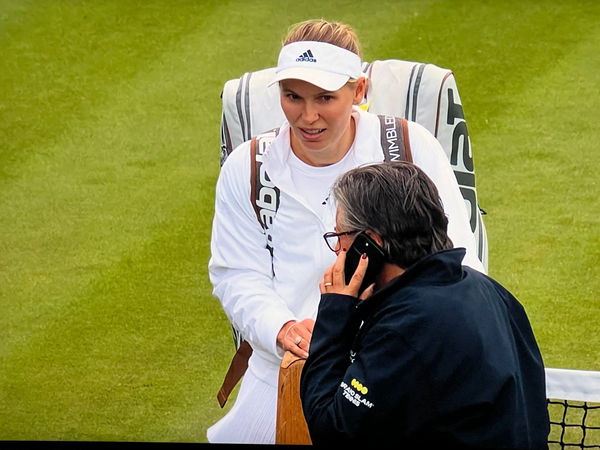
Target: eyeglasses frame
[332,234]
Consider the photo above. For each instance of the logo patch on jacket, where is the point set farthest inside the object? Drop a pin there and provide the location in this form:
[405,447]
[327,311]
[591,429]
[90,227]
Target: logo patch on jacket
[354,393]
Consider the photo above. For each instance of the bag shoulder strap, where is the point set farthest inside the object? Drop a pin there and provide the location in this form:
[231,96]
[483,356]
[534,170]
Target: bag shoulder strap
[395,141]
[236,371]
[264,195]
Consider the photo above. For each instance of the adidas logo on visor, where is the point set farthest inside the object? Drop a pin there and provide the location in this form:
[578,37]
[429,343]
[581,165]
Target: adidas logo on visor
[307,56]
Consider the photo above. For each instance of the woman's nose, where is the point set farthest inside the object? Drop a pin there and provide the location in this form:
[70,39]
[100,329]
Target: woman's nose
[310,113]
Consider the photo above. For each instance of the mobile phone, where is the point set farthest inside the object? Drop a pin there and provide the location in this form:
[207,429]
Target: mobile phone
[364,244]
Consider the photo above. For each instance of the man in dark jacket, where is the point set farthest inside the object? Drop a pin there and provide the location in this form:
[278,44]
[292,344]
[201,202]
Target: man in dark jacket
[433,353]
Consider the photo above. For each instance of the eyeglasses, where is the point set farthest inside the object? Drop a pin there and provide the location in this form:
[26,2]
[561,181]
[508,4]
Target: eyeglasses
[333,241]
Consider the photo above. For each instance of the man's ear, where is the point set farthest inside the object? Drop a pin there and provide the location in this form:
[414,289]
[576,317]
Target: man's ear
[375,237]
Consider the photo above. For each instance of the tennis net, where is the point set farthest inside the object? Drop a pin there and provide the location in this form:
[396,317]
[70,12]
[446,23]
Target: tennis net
[574,408]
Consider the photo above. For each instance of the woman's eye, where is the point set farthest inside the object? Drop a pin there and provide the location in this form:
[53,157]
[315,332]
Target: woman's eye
[326,98]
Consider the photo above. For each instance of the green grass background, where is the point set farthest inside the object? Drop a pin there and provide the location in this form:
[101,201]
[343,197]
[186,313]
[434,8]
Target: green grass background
[109,150]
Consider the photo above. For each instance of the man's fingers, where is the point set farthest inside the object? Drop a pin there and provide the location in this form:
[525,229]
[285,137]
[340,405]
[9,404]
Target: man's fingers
[359,273]
[327,280]
[338,269]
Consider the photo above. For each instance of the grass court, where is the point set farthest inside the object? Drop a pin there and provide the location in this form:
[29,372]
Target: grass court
[109,154]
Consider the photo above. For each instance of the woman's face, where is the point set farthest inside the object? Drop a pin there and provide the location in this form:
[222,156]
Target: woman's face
[322,129]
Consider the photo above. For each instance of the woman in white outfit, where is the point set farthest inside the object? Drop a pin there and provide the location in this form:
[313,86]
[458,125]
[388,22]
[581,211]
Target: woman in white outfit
[272,299]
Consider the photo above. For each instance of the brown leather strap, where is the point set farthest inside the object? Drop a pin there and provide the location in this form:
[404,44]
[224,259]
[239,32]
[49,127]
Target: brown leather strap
[237,368]
[394,139]
[406,140]
[254,180]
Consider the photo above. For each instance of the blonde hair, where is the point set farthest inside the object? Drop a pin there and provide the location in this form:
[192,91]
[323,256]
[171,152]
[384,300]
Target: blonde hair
[320,30]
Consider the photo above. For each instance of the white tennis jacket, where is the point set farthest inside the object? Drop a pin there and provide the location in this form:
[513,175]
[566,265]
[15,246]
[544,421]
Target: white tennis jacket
[260,293]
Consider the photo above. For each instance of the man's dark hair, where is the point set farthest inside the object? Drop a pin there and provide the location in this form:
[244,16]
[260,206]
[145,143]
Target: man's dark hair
[398,201]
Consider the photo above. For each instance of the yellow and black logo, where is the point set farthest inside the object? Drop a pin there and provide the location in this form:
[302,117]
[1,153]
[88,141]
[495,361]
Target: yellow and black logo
[359,387]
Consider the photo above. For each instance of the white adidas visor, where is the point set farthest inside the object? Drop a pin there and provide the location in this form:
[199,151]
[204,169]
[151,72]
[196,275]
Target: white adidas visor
[325,65]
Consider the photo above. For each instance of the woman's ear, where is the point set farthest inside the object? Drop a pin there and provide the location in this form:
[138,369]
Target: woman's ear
[361,89]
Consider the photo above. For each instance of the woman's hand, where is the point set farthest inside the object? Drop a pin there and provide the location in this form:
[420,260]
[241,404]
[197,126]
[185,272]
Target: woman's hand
[334,280]
[295,337]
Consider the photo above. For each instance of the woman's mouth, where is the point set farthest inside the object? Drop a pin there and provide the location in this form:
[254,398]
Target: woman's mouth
[311,133]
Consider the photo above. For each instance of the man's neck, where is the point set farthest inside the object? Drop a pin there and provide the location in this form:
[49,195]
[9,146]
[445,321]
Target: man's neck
[388,273]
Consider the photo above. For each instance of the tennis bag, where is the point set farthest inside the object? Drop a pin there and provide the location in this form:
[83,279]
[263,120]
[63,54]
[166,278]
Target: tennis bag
[422,93]
[396,90]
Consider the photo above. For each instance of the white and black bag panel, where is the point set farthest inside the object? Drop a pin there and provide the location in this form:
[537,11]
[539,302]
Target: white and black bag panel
[427,94]
[246,114]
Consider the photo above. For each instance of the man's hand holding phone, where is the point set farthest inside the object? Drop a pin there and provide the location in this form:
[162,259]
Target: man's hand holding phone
[334,279]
